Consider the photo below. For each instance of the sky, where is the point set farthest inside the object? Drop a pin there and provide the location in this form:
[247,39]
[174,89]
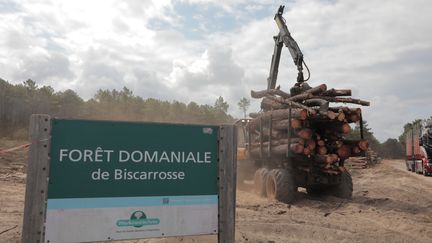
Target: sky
[198,50]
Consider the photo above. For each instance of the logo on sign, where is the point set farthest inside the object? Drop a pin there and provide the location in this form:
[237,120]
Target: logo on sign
[207,130]
[137,219]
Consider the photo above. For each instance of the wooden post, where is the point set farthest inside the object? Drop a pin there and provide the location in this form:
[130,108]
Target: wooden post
[227,183]
[361,127]
[37,182]
[289,133]
[262,136]
[269,149]
[249,138]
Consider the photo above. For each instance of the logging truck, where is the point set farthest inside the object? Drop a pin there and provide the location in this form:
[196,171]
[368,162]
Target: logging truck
[418,141]
[298,139]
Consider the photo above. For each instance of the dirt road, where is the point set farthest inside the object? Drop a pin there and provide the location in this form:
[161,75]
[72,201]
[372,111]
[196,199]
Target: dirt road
[390,204]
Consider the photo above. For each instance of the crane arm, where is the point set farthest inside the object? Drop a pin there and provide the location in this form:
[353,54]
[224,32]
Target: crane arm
[274,68]
[290,43]
[284,37]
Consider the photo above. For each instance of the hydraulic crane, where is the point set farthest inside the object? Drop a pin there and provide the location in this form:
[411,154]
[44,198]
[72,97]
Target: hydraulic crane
[284,37]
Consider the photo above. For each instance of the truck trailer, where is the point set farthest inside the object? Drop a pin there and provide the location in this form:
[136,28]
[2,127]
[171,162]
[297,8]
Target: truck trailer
[418,141]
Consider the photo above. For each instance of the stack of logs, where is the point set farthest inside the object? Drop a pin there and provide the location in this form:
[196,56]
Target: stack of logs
[361,162]
[306,124]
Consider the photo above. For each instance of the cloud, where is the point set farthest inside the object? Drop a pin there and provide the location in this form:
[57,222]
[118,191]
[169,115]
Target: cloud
[209,76]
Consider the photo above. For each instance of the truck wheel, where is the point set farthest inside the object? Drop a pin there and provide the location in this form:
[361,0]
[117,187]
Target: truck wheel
[281,185]
[345,188]
[260,178]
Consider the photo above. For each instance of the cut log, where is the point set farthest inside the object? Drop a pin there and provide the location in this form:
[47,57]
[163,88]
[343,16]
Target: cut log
[344,100]
[362,144]
[337,92]
[332,115]
[291,104]
[295,147]
[344,151]
[276,115]
[341,116]
[263,93]
[305,133]
[299,97]
[307,151]
[343,128]
[322,150]
[281,149]
[327,159]
[269,104]
[323,104]
[310,144]
[317,90]
[346,110]
[283,124]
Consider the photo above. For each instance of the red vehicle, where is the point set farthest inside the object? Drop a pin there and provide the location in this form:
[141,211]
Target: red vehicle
[419,149]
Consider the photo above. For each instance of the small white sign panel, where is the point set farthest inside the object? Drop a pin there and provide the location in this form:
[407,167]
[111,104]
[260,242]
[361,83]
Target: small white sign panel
[99,219]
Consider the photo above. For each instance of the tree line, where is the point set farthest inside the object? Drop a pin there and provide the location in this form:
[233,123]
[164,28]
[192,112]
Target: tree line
[19,101]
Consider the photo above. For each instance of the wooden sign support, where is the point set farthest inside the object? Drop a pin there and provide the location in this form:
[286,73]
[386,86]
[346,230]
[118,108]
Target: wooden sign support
[37,183]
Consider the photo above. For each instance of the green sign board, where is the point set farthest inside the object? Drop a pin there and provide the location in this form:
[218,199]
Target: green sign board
[132,180]
[121,159]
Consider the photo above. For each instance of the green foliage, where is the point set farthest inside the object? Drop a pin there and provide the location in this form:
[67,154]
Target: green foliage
[18,102]
[221,105]
[244,104]
[392,149]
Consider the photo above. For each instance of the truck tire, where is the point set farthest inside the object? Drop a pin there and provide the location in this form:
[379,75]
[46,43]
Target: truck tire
[345,188]
[260,178]
[281,185]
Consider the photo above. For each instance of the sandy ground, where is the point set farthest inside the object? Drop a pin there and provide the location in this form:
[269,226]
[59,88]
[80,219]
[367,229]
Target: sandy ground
[390,204]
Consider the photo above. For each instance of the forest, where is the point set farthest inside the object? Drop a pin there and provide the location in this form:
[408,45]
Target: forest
[19,101]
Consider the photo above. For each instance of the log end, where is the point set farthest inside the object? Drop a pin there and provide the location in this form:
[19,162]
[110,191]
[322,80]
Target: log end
[363,144]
